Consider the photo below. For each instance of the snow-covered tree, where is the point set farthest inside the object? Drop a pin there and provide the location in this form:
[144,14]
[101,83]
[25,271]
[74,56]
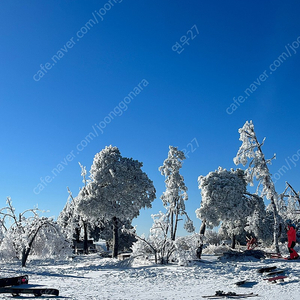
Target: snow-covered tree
[27,235]
[79,228]
[102,230]
[226,201]
[176,191]
[213,237]
[223,198]
[75,224]
[251,151]
[289,204]
[117,190]
[186,249]
[260,222]
[69,220]
[50,241]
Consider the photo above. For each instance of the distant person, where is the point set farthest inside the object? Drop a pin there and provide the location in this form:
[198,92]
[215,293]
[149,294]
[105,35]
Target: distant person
[291,233]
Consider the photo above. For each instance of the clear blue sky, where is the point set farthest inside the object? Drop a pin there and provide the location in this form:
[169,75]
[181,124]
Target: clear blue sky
[66,65]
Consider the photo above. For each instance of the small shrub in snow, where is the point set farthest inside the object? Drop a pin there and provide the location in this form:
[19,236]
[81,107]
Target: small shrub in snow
[216,249]
[160,247]
[186,249]
[213,238]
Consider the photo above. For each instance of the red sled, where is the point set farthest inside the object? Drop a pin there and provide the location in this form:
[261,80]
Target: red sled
[274,279]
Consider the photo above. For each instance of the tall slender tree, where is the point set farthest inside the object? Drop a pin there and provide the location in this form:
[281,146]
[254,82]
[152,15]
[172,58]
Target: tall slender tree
[176,191]
[251,150]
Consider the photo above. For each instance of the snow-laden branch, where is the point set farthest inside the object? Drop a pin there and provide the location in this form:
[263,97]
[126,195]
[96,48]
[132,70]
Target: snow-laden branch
[251,151]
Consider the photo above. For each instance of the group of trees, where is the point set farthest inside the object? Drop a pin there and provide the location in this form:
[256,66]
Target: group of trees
[162,241]
[115,192]
[227,203]
[109,200]
[117,188]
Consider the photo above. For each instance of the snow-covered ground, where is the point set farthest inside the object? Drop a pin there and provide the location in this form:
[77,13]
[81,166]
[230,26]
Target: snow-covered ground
[93,277]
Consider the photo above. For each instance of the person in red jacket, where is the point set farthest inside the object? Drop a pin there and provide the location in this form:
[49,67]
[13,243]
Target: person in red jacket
[291,233]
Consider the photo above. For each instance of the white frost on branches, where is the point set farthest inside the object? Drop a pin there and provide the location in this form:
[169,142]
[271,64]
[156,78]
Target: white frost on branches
[161,247]
[251,151]
[223,197]
[32,235]
[176,191]
[289,204]
[118,187]
[226,202]
[117,190]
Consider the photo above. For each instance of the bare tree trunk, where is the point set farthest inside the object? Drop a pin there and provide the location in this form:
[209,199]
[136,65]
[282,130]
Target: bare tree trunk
[275,214]
[276,225]
[172,226]
[85,239]
[25,254]
[176,223]
[77,235]
[268,182]
[202,232]
[107,245]
[26,250]
[233,241]
[296,194]
[115,237]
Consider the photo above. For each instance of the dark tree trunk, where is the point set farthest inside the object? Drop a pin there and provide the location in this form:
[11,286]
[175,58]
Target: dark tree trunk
[25,254]
[175,226]
[233,241]
[172,226]
[115,237]
[26,251]
[107,245]
[155,256]
[85,239]
[77,235]
[203,227]
[202,232]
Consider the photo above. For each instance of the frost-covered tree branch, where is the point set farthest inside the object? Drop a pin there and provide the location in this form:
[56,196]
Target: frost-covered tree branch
[143,240]
[176,191]
[20,237]
[289,204]
[158,243]
[226,202]
[251,151]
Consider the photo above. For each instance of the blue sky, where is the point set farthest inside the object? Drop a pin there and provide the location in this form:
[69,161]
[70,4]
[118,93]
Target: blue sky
[66,65]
